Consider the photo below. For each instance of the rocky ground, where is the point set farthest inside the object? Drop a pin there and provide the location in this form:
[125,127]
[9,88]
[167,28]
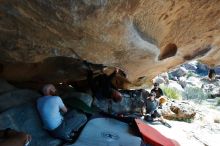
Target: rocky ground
[190,80]
[204,130]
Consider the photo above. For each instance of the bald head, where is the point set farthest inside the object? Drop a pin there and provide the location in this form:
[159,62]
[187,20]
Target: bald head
[49,89]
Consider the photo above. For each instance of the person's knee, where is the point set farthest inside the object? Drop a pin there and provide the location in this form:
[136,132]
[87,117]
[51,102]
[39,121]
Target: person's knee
[20,138]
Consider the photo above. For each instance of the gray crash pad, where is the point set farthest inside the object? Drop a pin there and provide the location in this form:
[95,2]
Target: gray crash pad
[25,118]
[107,132]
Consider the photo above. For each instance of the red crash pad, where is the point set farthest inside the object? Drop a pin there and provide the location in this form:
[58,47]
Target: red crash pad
[152,136]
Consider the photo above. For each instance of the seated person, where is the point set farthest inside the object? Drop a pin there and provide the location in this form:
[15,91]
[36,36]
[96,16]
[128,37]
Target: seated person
[9,137]
[150,110]
[157,90]
[50,108]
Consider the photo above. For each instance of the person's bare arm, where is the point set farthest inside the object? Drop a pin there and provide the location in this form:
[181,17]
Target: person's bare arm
[143,111]
[62,106]
[64,109]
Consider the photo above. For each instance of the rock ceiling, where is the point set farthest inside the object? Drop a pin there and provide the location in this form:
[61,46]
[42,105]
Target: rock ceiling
[143,37]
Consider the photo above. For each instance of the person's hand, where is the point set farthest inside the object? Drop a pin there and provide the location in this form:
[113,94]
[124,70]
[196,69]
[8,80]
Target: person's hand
[28,140]
[64,109]
[120,115]
[117,69]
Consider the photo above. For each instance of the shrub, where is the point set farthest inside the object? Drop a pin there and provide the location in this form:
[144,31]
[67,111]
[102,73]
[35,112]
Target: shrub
[188,120]
[195,93]
[218,102]
[171,93]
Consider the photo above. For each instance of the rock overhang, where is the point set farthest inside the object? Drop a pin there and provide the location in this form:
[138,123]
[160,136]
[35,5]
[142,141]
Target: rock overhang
[144,38]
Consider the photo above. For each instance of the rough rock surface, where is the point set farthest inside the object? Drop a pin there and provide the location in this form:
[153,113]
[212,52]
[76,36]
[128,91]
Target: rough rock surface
[202,131]
[17,97]
[178,110]
[25,118]
[132,101]
[5,86]
[142,37]
[11,96]
[86,98]
[18,111]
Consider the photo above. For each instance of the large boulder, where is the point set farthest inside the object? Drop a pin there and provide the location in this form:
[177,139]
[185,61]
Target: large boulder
[17,97]
[175,85]
[217,70]
[178,110]
[25,118]
[144,38]
[202,69]
[11,96]
[191,66]
[84,97]
[179,72]
[133,101]
[211,86]
[194,81]
[162,78]
[5,86]
[159,80]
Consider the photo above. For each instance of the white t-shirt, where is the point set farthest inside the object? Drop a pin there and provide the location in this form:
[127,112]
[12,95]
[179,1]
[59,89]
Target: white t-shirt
[49,109]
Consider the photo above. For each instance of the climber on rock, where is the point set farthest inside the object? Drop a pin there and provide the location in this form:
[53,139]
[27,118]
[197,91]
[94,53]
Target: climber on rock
[103,88]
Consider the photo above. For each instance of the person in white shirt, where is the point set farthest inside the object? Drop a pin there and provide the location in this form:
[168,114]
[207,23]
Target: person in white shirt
[51,107]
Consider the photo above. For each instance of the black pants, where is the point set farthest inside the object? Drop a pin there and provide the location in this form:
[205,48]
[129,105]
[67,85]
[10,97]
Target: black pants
[71,123]
[152,116]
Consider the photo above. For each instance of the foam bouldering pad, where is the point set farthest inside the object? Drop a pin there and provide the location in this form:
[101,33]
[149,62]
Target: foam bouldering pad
[152,136]
[107,132]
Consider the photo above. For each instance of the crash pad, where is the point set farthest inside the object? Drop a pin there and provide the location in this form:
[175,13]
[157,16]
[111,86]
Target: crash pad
[152,136]
[107,132]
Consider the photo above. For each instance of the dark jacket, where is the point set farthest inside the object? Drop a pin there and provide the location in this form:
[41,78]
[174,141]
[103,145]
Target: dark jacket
[102,86]
[151,106]
[158,92]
